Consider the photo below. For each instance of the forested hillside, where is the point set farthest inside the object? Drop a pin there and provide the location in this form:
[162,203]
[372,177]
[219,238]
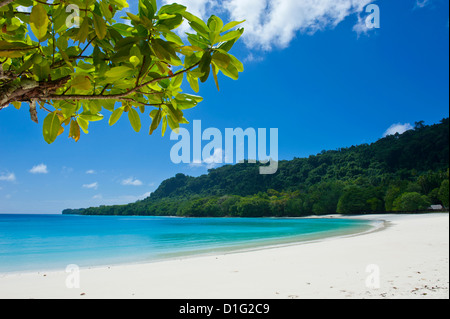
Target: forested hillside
[401,173]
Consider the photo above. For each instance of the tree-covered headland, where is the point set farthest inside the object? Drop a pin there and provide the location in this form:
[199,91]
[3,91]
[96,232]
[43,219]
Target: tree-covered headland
[399,173]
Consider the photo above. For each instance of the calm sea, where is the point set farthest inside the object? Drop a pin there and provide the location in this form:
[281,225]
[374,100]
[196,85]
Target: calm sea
[51,242]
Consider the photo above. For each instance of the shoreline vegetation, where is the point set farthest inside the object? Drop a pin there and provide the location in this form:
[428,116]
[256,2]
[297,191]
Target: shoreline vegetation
[398,173]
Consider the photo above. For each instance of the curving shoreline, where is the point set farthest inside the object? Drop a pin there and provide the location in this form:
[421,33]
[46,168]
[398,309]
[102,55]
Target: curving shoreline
[412,254]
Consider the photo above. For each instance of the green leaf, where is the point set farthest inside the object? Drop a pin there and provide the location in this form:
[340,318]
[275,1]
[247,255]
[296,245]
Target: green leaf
[231,25]
[197,24]
[174,113]
[197,41]
[231,35]
[155,122]
[173,124]
[120,3]
[193,82]
[164,126]
[223,56]
[147,9]
[39,22]
[83,31]
[228,45]
[99,26]
[74,131]
[172,37]
[105,10]
[42,71]
[51,127]
[172,9]
[134,18]
[205,66]
[135,60]
[221,59]
[231,71]
[215,71]
[81,82]
[135,120]
[215,24]
[83,124]
[15,49]
[166,51]
[117,114]
[91,117]
[118,72]
[27,64]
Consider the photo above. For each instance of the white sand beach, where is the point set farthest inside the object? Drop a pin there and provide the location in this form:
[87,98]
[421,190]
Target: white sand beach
[410,255]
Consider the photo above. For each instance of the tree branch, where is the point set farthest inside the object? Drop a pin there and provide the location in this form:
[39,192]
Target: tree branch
[18,49]
[5,2]
[28,90]
[115,96]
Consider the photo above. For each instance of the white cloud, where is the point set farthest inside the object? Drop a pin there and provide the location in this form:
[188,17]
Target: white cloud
[398,128]
[212,161]
[275,23]
[422,3]
[131,182]
[216,158]
[8,177]
[91,186]
[90,172]
[361,26]
[99,196]
[39,169]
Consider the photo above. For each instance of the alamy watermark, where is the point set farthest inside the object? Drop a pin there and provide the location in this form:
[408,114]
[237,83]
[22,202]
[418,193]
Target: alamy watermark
[73,20]
[373,281]
[73,279]
[214,152]
[373,20]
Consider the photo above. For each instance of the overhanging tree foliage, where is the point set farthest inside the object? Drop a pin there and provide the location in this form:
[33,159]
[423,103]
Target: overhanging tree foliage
[73,59]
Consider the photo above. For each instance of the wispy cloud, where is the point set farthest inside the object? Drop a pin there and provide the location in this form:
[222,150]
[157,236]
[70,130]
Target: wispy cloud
[39,169]
[91,186]
[398,128]
[422,3]
[131,182]
[8,177]
[212,161]
[90,172]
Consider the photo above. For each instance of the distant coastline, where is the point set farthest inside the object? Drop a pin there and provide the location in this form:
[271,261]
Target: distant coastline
[399,173]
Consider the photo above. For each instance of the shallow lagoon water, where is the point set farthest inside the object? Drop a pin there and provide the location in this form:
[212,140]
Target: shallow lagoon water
[51,242]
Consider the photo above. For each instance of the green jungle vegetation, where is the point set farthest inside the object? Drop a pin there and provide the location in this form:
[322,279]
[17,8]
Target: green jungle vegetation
[398,173]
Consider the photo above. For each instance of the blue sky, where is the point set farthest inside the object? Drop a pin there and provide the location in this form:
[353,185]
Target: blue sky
[311,71]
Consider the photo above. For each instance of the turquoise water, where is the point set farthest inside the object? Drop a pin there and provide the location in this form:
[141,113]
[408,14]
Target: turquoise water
[51,242]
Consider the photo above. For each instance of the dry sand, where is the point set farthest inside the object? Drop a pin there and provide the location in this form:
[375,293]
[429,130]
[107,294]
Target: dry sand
[410,255]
